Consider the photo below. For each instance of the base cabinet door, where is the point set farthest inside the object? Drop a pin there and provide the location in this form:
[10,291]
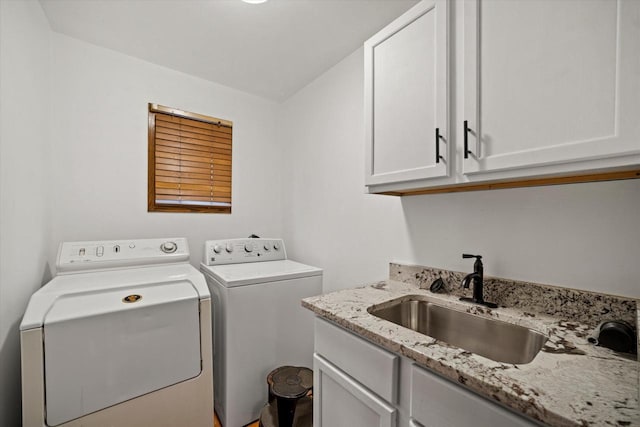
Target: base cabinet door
[550,87]
[340,401]
[436,402]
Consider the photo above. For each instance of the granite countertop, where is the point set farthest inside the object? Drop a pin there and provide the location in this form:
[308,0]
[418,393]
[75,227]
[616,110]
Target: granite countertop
[569,383]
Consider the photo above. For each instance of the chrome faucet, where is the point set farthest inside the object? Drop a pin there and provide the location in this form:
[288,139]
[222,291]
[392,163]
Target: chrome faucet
[477,277]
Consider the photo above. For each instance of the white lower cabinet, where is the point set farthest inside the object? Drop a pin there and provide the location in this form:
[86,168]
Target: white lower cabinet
[436,402]
[340,401]
[359,384]
[355,382]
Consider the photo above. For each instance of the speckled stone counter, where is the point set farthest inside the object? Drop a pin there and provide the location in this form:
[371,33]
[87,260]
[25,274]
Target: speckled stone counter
[569,383]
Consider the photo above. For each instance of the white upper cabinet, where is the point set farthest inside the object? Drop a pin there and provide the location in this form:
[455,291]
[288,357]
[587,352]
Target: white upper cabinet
[406,97]
[546,88]
[550,86]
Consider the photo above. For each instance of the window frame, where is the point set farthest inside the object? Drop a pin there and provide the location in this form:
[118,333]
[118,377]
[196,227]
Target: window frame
[152,205]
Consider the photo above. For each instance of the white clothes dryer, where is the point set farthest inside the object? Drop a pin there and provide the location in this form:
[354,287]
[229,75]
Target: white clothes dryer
[259,323]
[120,337]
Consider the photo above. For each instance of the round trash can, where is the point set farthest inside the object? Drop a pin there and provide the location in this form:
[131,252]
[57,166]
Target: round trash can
[290,403]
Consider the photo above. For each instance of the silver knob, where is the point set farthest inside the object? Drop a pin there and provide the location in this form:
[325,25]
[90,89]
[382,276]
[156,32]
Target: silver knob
[228,248]
[168,247]
[276,246]
[217,249]
[267,248]
[248,247]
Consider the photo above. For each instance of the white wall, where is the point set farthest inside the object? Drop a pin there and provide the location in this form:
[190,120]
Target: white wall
[99,131]
[330,222]
[77,114]
[25,227]
[584,236]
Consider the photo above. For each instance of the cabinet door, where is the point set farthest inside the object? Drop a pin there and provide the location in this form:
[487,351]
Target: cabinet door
[373,367]
[436,402]
[406,96]
[552,85]
[339,401]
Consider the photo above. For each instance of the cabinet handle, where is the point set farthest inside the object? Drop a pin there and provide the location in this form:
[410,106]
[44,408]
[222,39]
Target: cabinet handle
[466,139]
[438,156]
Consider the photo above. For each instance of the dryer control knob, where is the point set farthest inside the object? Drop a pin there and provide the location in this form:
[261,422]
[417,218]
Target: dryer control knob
[248,247]
[228,248]
[168,247]
[276,246]
[267,247]
[217,249]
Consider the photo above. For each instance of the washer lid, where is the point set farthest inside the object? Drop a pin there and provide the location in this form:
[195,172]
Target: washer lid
[94,303]
[232,275]
[90,283]
[102,348]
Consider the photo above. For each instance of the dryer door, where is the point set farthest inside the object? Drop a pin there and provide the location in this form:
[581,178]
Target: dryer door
[102,348]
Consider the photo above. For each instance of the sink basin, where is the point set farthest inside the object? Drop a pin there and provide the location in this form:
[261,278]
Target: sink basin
[493,339]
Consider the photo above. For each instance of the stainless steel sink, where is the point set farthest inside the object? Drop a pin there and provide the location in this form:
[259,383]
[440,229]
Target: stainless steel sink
[493,339]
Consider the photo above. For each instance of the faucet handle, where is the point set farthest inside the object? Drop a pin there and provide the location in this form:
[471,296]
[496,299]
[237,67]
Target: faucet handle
[471,256]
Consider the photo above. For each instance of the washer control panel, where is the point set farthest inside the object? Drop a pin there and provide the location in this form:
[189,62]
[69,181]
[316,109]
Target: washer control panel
[91,255]
[235,251]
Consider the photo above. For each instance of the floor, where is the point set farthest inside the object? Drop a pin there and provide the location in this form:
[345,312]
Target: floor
[216,423]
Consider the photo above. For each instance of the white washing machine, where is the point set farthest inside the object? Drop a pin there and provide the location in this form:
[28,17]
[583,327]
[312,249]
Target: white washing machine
[120,337]
[259,323]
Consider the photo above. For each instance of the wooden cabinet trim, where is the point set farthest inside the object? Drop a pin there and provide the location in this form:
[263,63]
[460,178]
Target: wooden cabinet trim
[537,182]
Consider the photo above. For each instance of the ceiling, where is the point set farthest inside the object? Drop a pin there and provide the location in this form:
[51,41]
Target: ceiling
[271,50]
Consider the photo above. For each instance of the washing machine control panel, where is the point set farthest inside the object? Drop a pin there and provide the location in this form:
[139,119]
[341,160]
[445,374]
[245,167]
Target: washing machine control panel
[235,251]
[92,255]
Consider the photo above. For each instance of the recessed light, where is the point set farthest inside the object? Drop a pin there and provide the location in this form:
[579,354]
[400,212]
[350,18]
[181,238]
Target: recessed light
[254,1]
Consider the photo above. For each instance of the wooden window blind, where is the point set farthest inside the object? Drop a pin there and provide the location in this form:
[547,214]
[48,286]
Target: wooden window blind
[189,161]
